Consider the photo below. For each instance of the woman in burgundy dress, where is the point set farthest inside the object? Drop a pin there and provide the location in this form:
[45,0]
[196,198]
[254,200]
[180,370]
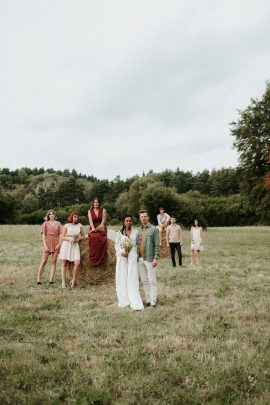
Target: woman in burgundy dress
[97,233]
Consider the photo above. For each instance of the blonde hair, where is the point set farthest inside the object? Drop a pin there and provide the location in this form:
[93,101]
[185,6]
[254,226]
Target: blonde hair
[47,218]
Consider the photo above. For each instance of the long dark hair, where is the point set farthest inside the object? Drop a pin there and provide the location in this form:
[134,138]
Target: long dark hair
[193,224]
[99,201]
[124,227]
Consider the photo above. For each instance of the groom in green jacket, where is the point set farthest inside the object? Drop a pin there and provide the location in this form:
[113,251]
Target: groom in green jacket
[148,254]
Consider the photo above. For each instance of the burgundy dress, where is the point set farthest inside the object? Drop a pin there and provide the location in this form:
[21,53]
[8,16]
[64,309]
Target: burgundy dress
[97,241]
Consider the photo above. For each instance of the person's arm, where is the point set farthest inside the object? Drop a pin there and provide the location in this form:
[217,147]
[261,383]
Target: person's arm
[156,247]
[59,228]
[167,217]
[191,234]
[118,246]
[82,232]
[180,235]
[91,220]
[59,234]
[133,237]
[64,237]
[201,235]
[104,214]
[168,236]
[138,240]
[44,237]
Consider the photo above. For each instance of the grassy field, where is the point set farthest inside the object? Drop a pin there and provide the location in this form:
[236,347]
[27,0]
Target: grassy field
[208,340]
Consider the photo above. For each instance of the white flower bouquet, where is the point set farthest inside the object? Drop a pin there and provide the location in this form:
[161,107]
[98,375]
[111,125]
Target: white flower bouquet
[77,237]
[99,228]
[127,245]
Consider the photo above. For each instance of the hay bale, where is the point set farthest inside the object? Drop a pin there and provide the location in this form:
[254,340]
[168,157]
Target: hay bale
[164,251]
[95,275]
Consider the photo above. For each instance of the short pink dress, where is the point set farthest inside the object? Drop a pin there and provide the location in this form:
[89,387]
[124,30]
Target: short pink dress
[52,231]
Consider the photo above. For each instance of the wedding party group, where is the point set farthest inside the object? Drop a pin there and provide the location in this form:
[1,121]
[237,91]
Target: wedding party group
[137,250]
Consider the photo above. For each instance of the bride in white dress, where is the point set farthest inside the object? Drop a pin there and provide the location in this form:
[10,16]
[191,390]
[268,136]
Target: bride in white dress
[127,280]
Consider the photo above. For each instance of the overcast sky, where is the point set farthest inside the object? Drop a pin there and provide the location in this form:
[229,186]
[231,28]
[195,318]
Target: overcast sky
[118,87]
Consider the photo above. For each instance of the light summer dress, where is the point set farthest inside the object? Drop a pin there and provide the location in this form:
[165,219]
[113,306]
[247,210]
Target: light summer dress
[196,237]
[71,251]
[52,231]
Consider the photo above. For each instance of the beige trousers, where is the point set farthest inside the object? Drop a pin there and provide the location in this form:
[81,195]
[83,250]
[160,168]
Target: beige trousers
[148,276]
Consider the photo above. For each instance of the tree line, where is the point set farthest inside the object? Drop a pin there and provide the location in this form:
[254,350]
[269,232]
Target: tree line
[214,196]
[224,197]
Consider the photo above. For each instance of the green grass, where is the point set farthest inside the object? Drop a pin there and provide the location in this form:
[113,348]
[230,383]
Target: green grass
[208,341]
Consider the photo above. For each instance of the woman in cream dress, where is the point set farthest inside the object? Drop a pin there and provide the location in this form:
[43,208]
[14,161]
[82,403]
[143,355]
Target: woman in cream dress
[70,249]
[127,279]
[196,243]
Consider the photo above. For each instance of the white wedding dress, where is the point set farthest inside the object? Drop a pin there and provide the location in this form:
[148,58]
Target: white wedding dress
[127,279]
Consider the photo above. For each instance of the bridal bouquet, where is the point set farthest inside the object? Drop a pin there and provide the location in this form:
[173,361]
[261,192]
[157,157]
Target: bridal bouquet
[99,228]
[127,245]
[77,237]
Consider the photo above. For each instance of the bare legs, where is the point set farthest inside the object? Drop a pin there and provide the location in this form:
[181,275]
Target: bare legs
[43,263]
[195,259]
[53,266]
[74,274]
[192,257]
[63,273]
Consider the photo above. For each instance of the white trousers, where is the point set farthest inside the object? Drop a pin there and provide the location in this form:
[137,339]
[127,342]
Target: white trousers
[148,276]
[127,283]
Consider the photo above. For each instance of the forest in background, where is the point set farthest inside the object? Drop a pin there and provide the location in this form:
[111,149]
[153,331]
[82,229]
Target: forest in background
[224,197]
[214,197]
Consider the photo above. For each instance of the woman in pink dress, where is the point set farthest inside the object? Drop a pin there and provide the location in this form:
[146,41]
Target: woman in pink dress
[50,230]
[97,233]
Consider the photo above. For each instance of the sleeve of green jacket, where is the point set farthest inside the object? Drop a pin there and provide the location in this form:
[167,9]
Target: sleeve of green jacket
[156,244]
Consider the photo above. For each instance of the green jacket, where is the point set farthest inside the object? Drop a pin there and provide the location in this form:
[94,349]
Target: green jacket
[151,242]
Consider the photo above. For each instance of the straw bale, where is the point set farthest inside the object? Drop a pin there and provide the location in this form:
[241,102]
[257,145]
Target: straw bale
[164,251]
[95,275]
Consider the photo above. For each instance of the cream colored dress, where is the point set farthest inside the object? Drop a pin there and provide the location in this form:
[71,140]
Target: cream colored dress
[71,251]
[197,239]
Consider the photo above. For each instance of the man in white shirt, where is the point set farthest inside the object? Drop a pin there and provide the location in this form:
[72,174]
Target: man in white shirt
[174,240]
[163,221]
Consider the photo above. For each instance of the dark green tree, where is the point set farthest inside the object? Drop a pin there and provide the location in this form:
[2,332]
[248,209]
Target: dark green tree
[70,192]
[251,138]
[182,181]
[8,208]
[101,189]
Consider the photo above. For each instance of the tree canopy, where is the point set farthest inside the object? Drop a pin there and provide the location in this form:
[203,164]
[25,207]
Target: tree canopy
[252,139]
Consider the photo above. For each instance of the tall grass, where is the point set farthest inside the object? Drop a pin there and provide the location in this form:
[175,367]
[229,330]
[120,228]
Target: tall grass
[206,342]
